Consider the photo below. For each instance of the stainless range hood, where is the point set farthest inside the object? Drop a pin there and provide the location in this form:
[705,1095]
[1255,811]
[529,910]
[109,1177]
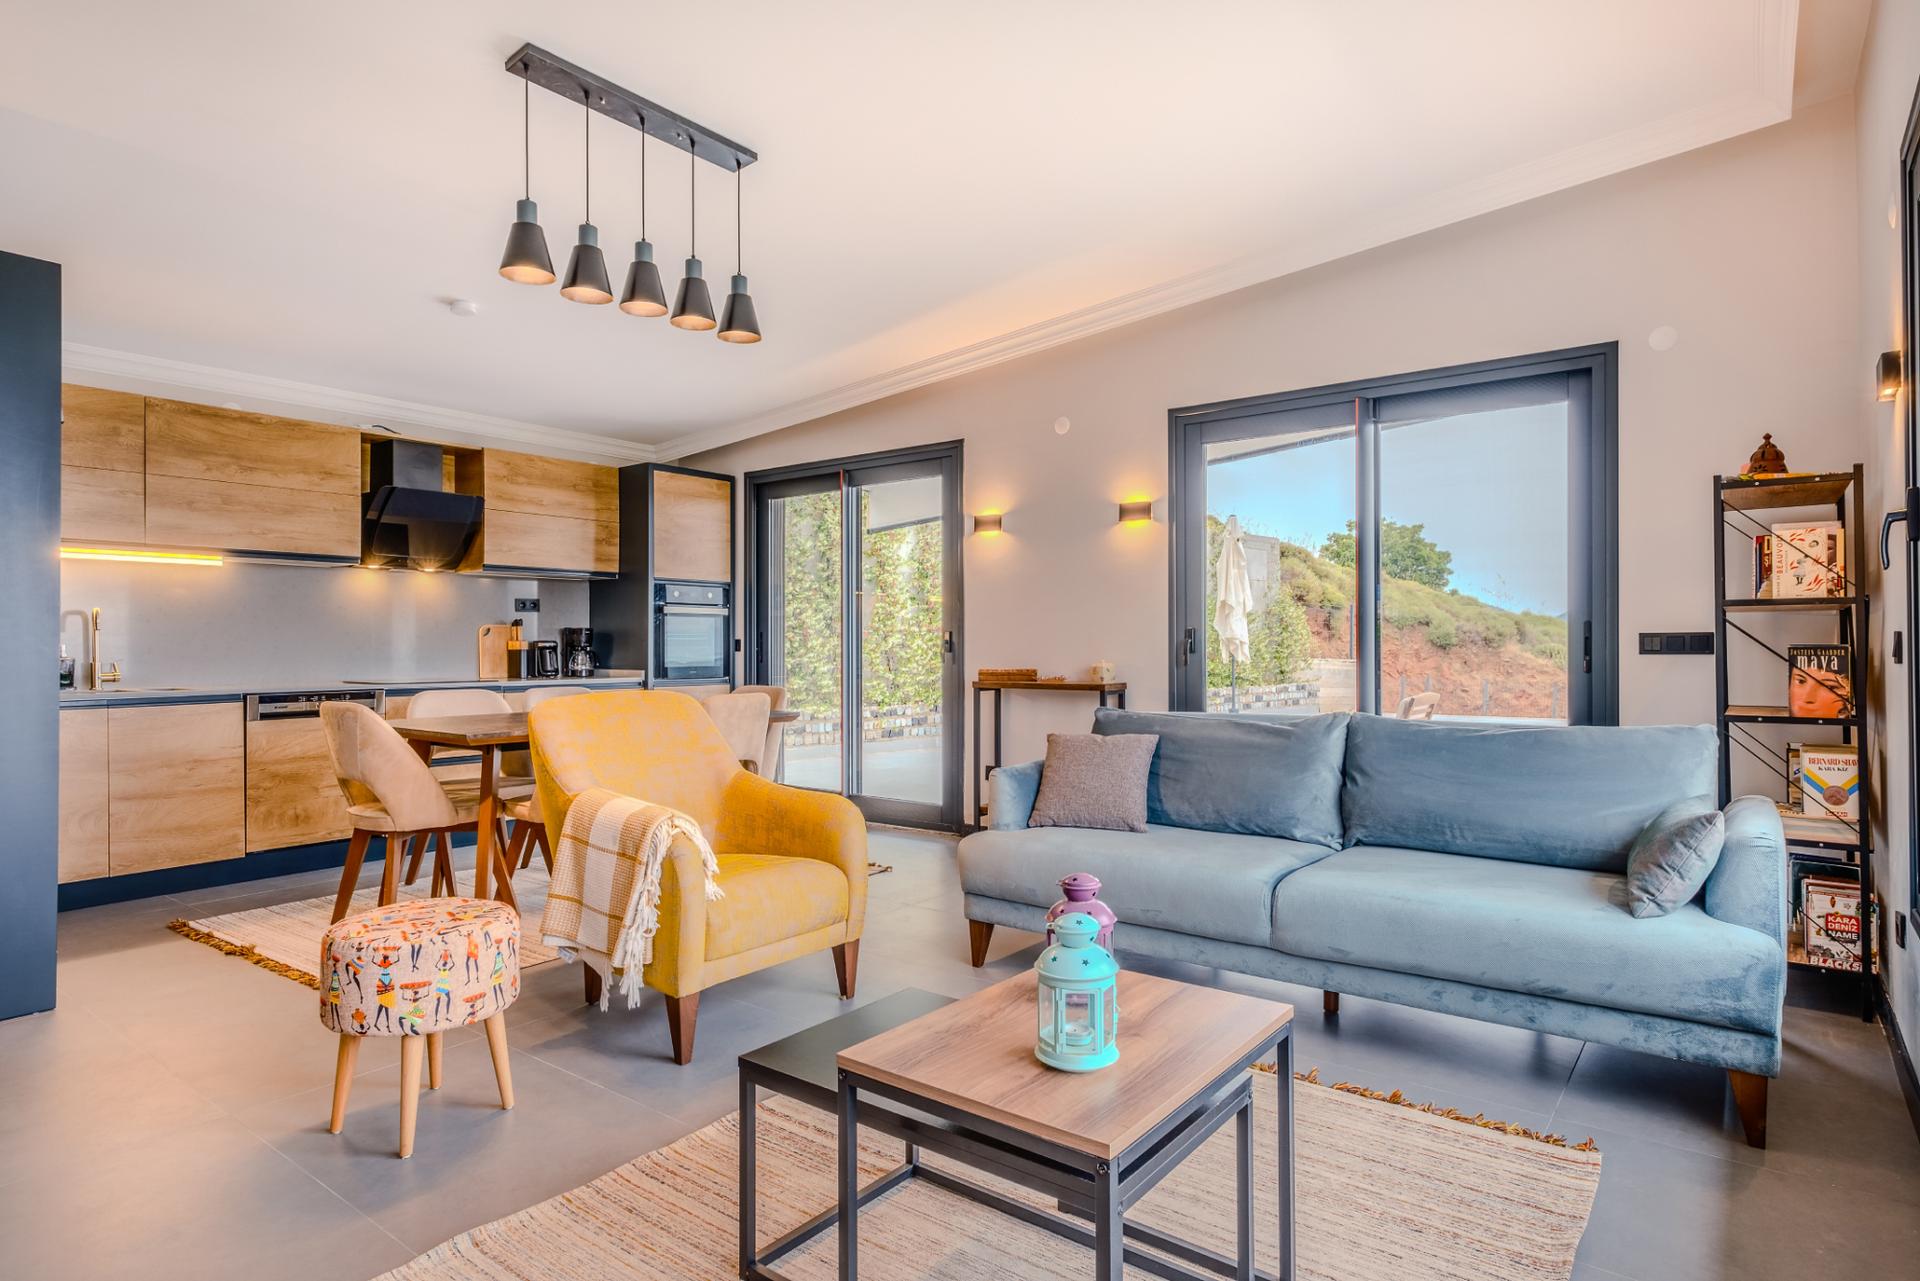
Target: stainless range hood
[409,520]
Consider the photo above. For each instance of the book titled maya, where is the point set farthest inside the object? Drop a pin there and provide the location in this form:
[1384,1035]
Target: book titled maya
[1808,560]
[1820,680]
[1830,781]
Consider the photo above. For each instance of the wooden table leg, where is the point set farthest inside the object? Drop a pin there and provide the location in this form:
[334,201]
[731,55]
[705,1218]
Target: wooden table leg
[483,853]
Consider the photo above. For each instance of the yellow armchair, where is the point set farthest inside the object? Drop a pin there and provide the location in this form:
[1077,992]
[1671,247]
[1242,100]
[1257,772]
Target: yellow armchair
[793,863]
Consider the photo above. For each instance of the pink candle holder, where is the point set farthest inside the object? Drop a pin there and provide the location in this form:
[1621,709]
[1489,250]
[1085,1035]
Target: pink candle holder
[1080,890]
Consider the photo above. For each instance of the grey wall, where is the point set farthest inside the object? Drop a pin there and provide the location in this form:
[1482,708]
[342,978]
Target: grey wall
[29,524]
[243,623]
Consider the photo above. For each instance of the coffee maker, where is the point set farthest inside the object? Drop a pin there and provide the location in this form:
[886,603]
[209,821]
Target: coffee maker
[576,651]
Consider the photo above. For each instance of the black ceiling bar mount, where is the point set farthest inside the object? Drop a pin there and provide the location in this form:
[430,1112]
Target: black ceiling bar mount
[559,76]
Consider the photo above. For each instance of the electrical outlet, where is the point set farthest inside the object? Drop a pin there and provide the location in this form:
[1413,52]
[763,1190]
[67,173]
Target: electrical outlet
[526,604]
[1676,642]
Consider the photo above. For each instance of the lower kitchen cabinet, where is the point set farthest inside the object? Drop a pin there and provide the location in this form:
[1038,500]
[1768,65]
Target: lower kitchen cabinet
[176,785]
[293,797]
[83,794]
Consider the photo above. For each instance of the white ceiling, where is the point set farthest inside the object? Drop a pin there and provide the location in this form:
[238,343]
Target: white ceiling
[267,203]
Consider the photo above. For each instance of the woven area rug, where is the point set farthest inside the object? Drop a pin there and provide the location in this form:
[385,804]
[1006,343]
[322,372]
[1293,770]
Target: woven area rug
[1386,1192]
[285,938]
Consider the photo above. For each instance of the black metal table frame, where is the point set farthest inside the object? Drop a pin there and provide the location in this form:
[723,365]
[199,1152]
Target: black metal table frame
[1083,1186]
[980,776]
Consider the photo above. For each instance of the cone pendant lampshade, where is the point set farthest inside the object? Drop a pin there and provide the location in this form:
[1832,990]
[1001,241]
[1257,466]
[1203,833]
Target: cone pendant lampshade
[644,294]
[738,323]
[587,270]
[526,262]
[693,305]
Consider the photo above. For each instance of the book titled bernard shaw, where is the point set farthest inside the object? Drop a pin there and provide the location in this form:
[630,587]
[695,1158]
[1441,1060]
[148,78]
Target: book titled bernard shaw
[1820,680]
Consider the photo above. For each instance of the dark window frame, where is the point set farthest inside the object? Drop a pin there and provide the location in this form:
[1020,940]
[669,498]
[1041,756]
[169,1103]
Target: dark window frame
[1910,314]
[1594,530]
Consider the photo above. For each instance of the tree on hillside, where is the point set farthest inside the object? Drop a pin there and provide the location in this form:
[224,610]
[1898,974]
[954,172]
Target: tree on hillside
[1405,552]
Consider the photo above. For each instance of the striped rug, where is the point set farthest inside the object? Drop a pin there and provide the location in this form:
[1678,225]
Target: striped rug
[1387,1192]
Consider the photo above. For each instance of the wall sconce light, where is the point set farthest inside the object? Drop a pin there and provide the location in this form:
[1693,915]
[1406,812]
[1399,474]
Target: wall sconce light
[1888,374]
[1132,513]
[988,522]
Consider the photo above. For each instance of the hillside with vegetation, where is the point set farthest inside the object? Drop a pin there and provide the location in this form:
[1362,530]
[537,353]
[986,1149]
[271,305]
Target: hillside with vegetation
[1477,656]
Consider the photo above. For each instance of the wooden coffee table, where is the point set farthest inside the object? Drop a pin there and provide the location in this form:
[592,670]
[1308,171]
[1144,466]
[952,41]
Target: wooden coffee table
[1095,1142]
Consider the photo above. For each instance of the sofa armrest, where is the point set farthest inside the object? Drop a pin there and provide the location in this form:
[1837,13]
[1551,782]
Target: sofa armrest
[1748,886]
[1011,791]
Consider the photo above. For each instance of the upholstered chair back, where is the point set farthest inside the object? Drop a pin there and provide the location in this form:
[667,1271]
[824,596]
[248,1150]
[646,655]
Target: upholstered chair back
[742,718]
[379,771]
[532,698]
[457,702]
[653,744]
[777,700]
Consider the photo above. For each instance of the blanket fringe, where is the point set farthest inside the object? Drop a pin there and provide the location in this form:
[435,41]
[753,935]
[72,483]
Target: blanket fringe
[1312,1077]
[245,951]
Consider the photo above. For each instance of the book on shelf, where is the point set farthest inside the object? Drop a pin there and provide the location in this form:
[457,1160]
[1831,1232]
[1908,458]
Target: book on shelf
[1820,680]
[1762,566]
[1794,794]
[1830,782]
[1808,560]
[1829,911]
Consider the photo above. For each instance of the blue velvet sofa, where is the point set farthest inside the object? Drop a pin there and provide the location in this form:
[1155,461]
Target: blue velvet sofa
[1474,870]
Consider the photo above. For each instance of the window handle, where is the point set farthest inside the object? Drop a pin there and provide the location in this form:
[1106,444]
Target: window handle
[1911,515]
[1187,652]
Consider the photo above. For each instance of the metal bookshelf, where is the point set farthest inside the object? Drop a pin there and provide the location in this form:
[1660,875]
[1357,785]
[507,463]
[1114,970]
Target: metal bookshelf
[1739,506]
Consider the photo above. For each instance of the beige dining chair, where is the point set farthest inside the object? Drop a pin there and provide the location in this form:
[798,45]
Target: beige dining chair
[390,792]
[1419,707]
[529,831]
[743,718]
[769,764]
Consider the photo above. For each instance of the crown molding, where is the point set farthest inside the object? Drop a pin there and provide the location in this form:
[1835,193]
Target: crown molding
[1770,103]
[259,393]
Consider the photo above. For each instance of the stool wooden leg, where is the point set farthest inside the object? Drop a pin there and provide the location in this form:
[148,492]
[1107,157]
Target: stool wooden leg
[350,873]
[502,1070]
[390,870]
[343,1079]
[412,1049]
[433,1060]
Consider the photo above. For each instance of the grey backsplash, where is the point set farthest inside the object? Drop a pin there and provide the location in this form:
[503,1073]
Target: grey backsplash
[243,623]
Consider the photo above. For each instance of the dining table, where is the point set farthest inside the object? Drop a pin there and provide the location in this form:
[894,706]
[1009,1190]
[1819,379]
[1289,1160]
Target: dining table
[487,736]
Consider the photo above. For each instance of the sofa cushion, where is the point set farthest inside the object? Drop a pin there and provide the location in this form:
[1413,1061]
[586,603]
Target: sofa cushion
[1270,776]
[1545,931]
[1673,856]
[1093,781]
[1215,884]
[1570,796]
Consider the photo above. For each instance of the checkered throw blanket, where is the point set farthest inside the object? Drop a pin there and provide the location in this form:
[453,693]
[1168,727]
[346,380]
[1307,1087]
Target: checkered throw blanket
[604,902]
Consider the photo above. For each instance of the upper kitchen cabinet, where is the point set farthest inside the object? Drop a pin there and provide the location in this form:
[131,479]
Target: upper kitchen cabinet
[543,515]
[103,464]
[692,516]
[241,482]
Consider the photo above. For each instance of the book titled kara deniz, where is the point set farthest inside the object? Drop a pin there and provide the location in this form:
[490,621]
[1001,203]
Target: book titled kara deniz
[1808,560]
[1830,781]
[1820,680]
[1830,922]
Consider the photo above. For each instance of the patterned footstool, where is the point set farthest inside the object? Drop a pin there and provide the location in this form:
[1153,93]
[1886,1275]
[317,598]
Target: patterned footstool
[413,970]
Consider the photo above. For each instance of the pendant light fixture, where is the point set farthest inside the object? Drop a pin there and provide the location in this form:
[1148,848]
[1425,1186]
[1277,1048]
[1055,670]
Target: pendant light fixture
[738,323]
[693,305]
[644,295]
[587,269]
[526,261]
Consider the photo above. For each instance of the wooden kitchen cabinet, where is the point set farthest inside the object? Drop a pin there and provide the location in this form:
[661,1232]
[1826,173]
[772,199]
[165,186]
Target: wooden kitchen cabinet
[293,797]
[176,785]
[692,526]
[235,481]
[544,513]
[103,450]
[83,794]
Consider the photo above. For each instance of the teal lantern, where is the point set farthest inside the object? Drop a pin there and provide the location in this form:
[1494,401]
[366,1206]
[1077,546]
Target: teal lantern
[1079,1010]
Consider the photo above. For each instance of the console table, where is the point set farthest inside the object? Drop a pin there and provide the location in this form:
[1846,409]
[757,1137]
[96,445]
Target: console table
[1105,689]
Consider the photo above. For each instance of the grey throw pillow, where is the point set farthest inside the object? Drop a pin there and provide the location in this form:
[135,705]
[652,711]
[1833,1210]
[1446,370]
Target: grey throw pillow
[1095,780]
[1673,855]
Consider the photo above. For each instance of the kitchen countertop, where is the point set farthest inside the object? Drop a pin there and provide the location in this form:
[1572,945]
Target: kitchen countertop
[136,696]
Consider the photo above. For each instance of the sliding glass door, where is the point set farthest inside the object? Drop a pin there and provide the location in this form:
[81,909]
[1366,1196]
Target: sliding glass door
[1439,544]
[856,612]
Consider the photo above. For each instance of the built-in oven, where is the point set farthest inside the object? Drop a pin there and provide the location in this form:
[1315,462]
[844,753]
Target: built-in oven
[692,632]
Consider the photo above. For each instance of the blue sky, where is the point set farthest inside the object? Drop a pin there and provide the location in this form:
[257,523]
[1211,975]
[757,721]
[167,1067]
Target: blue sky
[1490,487]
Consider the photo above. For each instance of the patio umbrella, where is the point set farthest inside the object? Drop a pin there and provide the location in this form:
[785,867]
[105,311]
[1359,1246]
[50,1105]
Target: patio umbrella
[1232,604]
